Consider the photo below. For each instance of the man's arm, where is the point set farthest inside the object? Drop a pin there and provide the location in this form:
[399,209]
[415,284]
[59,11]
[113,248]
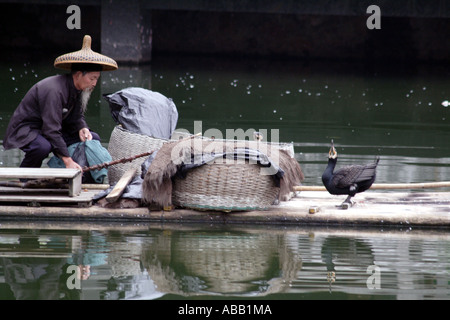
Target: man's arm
[69,163]
[85,134]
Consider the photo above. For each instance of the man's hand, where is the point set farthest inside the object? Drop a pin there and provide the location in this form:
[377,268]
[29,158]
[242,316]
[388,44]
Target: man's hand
[85,134]
[68,161]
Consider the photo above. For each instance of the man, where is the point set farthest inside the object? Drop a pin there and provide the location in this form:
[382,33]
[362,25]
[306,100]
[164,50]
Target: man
[51,115]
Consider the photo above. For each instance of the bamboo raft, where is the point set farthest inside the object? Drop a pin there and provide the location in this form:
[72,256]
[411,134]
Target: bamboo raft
[311,206]
[387,186]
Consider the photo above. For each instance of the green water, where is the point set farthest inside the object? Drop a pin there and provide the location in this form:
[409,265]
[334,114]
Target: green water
[198,262]
[394,112]
[388,111]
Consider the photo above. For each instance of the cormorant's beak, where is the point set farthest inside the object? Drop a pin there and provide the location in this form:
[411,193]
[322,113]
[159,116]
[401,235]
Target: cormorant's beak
[332,154]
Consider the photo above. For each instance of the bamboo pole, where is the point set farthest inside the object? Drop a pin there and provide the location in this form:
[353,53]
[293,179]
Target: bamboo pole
[108,164]
[386,186]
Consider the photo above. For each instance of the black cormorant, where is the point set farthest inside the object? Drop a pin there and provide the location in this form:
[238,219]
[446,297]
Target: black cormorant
[348,180]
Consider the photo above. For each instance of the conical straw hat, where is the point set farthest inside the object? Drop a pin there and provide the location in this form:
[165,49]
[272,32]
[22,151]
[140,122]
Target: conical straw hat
[85,55]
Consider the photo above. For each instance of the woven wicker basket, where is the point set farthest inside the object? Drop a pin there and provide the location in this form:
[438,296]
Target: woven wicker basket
[216,186]
[225,187]
[125,144]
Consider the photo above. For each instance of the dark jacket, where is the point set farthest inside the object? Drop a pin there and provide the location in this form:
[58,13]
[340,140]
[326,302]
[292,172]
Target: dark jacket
[50,108]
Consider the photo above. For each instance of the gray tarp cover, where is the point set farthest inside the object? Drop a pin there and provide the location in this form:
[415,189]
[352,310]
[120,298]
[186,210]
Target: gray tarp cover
[143,111]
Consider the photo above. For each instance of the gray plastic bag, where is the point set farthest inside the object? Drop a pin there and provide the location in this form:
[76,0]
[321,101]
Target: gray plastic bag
[143,111]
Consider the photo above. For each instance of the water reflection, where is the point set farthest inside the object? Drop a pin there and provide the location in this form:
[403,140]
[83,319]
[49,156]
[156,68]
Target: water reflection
[221,263]
[30,269]
[152,262]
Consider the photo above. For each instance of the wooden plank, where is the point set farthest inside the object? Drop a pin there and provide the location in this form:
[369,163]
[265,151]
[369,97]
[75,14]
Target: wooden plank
[45,255]
[18,188]
[38,173]
[75,185]
[54,197]
[121,185]
[95,186]
[27,191]
[74,176]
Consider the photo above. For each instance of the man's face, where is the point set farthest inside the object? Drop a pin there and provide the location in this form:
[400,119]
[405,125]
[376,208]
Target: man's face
[86,81]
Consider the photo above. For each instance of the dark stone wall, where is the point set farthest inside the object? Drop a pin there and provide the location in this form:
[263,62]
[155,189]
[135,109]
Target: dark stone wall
[300,36]
[126,31]
[41,29]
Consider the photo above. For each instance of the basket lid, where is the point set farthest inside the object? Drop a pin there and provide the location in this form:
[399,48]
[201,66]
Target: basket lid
[85,56]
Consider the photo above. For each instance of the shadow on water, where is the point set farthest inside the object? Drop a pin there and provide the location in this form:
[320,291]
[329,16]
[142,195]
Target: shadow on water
[120,261]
